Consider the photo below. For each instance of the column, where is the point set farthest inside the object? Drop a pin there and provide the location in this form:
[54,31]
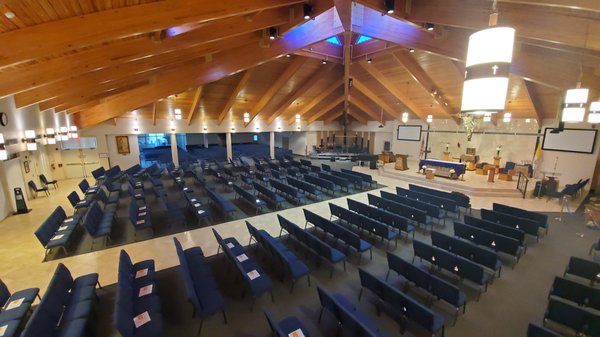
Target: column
[206,141]
[228,144]
[174,151]
[272,144]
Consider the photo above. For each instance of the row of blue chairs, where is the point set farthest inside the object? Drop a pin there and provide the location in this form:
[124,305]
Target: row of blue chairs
[200,211]
[252,200]
[338,232]
[583,269]
[286,259]
[66,309]
[252,274]
[528,226]
[534,330]
[480,255]
[416,215]
[539,218]
[342,182]
[497,228]
[399,222]
[309,189]
[56,231]
[426,280]
[137,310]
[365,177]
[402,306]
[446,204]
[432,211]
[267,193]
[98,222]
[491,240]
[223,205]
[458,265]
[287,190]
[364,223]
[310,241]
[347,315]
[580,294]
[140,217]
[323,184]
[201,287]
[461,200]
[15,308]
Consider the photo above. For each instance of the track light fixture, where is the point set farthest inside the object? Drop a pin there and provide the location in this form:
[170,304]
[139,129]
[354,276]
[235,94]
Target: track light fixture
[323,62]
[272,33]
[389,6]
[411,50]
[369,60]
[307,11]
[429,26]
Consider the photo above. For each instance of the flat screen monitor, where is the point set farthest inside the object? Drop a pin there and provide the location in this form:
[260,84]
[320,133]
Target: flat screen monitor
[255,138]
[409,132]
[570,140]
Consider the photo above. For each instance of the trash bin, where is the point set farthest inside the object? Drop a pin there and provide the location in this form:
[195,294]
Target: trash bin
[373,165]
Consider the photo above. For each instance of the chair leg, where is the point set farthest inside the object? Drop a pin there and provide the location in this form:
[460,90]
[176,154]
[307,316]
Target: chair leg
[388,274]
[200,328]
[320,315]
[224,316]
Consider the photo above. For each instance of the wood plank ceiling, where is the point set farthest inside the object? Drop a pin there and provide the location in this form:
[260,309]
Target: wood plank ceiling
[101,59]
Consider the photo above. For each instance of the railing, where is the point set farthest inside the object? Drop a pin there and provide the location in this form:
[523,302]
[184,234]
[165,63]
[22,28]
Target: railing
[522,184]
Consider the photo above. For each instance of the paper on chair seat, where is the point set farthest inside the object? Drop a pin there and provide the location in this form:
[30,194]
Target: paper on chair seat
[197,205]
[193,200]
[242,257]
[253,274]
[139,222]
[3,329]
[15,303]
[230,245]
[145,290]
[56,237]
[68,220]
[200,211]
[142,214]
[62,228]
[296,333]
[141,273]
[142,208]
[141,319]
[81,202]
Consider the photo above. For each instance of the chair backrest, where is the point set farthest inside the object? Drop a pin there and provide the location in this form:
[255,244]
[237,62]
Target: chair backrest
[4,293]
[84,185]
[43,179]
[272,323]
[32,185]
[73,198]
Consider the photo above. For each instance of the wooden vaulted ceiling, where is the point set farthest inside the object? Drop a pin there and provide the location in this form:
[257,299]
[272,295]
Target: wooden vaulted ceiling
[102,59]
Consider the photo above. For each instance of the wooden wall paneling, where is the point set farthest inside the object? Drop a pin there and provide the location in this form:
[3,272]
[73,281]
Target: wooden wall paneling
[234,94]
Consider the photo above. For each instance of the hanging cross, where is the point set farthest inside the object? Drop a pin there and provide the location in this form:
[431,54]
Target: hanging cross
[495,68]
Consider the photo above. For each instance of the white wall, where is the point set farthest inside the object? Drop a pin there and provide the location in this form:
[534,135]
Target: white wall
[298,143]
[14,178]
[124,161]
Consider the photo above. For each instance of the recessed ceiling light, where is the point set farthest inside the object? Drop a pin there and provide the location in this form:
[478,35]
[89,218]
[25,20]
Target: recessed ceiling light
[9,15]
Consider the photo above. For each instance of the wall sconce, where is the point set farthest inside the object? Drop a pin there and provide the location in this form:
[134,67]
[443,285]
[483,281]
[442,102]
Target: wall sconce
[507,117]
[297,118]
[63,135]
[29,140]
[487,116]
[429,118]
[594,115]
[573,108]
[3,152]
[404,117]
[50,136]
[246,117]
[205,128]
[177,114]
[73,132]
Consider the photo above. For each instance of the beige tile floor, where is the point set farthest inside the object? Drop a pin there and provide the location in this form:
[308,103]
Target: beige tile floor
[21,254]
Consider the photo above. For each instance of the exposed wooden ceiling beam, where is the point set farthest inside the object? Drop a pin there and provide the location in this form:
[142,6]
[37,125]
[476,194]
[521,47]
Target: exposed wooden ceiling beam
[363,106]
[221,65]
[408,35]
[326,49]
[59,36]
[71,72]
[344,10]
[373,97]
[347,64]
[425,81]
[234,94]
[400,7]
[305,108]
[317,56]
[195,103]
[372,49]
[325,109]
[389,86]
[297,14]
[535,101]
[290,71]
[537,22]
[313,79]
[579,5]
[356,114]
[332,117]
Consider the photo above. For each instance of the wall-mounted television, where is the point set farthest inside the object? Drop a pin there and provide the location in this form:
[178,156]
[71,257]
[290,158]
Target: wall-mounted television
[409,132]
[570,140]
[255,138]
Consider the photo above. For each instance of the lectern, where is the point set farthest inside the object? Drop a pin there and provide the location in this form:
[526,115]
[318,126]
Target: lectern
[401,162]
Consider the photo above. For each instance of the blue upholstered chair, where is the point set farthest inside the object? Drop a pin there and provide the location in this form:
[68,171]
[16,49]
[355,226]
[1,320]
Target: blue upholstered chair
[36,189]
[286,326]
[47,182]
